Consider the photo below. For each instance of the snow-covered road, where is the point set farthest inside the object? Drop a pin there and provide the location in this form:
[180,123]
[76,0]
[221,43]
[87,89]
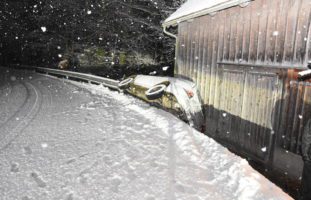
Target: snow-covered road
[66,140]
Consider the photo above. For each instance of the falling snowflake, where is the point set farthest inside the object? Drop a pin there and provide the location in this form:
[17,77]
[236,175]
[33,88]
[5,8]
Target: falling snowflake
[300,116]
[264,149]
[165,68]
[60,55]
[44,145]
[89,12]
[43,29]
[224,114]
[275,33]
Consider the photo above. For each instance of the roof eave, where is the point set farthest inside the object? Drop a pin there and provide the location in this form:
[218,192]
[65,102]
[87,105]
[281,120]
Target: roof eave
[207,11]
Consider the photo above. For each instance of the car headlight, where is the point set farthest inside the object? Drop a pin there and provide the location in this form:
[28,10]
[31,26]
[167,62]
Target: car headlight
[177,105]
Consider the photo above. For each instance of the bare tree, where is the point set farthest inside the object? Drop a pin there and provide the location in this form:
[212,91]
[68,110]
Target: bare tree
[45,29]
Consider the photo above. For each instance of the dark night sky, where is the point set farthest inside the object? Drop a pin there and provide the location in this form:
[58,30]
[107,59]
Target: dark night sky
[36,32]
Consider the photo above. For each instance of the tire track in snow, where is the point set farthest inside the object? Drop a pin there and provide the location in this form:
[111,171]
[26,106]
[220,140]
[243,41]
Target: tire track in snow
[7,87]
[5,91]
[29,110]
[14,115]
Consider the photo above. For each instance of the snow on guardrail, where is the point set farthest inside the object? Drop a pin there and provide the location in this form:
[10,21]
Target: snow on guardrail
[113,84]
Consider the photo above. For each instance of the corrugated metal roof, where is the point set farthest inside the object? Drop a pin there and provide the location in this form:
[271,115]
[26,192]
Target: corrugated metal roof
[196,8]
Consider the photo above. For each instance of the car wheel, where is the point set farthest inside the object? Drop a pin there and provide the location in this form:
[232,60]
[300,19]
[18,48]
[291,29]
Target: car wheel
[155,92]
[125,83]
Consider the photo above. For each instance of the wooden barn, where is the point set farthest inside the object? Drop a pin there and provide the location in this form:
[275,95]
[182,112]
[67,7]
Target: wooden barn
[245,57]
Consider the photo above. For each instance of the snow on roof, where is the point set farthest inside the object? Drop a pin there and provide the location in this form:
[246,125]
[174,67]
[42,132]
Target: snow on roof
[196,8]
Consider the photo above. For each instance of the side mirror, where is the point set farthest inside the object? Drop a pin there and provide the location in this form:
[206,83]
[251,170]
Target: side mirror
[306,73]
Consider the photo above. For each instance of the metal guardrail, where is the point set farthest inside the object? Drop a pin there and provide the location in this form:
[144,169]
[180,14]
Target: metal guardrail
[113,84]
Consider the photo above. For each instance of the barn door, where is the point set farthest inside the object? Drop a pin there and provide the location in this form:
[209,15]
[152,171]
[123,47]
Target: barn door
[230,105]
[259,110]
[247,106]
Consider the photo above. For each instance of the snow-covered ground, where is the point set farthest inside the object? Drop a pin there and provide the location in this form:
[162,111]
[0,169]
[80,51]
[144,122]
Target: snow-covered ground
[66,140]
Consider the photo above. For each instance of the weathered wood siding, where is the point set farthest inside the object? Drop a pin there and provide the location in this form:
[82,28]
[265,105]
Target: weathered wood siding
[242,60]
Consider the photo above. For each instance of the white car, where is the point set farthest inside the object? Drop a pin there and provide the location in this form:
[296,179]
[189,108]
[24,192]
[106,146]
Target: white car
[175,95]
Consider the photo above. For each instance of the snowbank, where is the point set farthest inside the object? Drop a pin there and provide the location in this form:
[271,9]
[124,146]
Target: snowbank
[72,141]
[223,174]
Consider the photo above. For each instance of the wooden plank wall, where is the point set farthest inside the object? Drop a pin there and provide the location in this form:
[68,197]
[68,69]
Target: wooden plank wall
[241,60]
